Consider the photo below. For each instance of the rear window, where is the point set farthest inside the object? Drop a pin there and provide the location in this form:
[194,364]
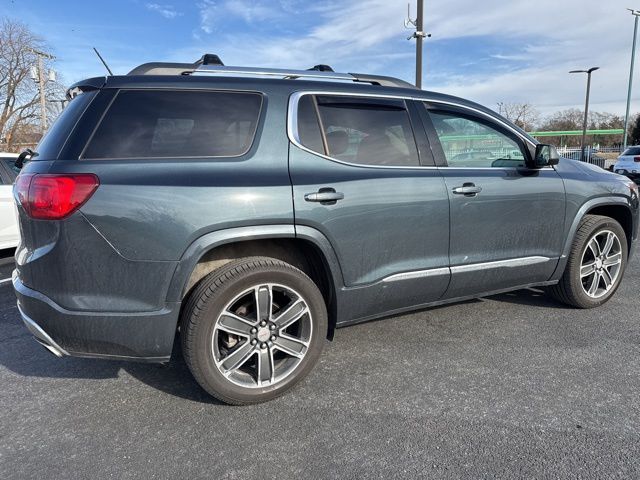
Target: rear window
[170,124]
[632,151]
[53,141]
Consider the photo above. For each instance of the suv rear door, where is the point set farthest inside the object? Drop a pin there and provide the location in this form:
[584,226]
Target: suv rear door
[507,221]
[386,212]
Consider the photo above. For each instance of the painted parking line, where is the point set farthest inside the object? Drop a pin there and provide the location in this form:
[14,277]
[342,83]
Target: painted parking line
[5,280]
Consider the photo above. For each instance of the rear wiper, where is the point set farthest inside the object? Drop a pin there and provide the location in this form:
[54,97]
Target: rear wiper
[22,158]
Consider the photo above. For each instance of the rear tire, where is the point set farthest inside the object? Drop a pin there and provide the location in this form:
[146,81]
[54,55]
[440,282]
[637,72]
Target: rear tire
[253,329]
[596,263]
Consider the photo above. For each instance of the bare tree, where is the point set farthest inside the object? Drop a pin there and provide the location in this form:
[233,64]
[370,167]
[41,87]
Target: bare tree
[19,94]
[573,118]
[523,115]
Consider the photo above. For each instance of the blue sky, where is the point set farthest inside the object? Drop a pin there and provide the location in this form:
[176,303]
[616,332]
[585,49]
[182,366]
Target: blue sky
[490,51]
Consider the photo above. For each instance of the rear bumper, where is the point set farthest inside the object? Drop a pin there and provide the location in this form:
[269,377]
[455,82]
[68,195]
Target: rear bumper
[140,336]
[628,172]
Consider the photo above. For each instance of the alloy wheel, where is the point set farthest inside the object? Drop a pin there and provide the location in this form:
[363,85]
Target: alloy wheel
[601,264]
[262,335]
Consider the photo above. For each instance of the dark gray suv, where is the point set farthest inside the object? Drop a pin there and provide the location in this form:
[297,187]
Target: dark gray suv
[253,211]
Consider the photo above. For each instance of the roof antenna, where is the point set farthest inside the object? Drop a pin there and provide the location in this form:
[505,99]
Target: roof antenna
[103,62]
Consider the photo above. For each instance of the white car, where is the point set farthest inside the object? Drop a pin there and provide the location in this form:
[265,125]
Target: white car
[629,163]
[9,232]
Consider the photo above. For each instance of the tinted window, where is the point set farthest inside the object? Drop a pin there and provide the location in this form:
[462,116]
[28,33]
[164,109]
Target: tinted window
[632,151]
[471,142]
[11,169]
[362,130]
[50,145]
[308,127]
[165,124]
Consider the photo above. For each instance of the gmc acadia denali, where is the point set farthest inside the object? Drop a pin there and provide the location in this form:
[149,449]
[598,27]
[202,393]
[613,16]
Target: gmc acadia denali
[252,211]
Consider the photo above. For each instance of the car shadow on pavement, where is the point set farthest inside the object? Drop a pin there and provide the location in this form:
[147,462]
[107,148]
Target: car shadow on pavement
[28,359]
[173,378]
[533,297]
[23,356]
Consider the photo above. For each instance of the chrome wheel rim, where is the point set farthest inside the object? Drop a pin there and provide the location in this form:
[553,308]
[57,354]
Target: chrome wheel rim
[262,335]
[601,264]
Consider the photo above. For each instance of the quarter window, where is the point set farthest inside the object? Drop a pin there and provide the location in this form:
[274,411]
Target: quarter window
[367,131]
[470,142]
[173,124]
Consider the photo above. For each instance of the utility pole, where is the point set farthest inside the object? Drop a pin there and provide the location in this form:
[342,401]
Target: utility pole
[586,109]
[635,13]
[41,81]
[419,38]
[419,35]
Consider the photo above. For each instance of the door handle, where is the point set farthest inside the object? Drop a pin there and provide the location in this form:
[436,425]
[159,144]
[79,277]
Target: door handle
[326,196]
[467,189]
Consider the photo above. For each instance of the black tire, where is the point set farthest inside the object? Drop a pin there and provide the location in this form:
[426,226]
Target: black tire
[214,294]
[570,288]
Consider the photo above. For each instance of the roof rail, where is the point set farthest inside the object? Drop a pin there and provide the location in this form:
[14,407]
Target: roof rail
[211,64]
[382,80]
[273,72]
[164,68]
[319,73]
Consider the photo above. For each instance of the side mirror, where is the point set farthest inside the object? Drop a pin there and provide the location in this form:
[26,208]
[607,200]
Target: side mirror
[546,155]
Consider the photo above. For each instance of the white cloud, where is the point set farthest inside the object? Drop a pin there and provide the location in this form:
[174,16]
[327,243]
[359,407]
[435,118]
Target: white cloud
[534,44]
[167,11]
[543,40]
[342,29]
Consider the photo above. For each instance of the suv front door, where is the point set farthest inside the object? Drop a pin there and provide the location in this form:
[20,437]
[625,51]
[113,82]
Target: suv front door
[507,221]
[385,214]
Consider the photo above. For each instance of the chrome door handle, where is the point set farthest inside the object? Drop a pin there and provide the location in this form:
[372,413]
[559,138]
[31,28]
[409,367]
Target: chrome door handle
[467,189]
[327,196]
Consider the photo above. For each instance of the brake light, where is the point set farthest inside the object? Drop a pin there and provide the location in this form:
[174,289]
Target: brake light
[636,159]
[54,197]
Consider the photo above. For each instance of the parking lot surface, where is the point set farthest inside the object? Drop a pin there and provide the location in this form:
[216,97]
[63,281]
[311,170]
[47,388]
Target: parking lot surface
[515,385]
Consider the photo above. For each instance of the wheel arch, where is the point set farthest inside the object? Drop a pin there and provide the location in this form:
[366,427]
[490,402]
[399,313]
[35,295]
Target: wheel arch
[309,251]
[617,208]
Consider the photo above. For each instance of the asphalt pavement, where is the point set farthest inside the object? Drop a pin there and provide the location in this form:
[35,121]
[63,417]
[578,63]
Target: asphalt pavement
[513,386]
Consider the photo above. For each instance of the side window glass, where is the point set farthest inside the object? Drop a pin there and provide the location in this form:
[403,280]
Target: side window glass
[470,142]
[367,131]
[308,127]
[11,168]
[176,124]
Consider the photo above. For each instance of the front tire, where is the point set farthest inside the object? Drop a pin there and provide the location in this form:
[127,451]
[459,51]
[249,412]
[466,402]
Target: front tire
[596,263]
[253,329]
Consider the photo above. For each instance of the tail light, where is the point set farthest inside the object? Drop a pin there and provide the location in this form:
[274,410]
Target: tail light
[54,197]
[636,159]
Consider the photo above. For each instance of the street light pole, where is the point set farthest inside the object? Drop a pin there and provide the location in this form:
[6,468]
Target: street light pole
[586,108]
[635,13]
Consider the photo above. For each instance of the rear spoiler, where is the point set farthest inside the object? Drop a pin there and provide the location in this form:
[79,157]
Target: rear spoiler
[95,83]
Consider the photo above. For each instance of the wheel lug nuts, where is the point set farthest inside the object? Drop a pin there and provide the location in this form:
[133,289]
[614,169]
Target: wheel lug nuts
[263,345]
[273,338]
[254,341]
[272,327]
[270,344]
[263,323]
